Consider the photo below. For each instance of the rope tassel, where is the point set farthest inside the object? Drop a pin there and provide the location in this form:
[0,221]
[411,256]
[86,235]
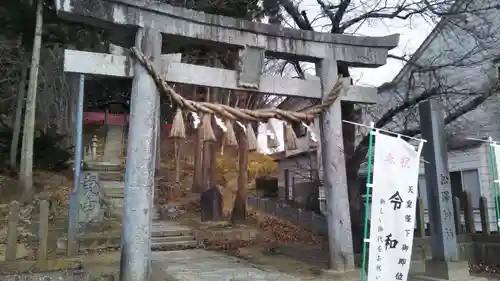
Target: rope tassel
[178,128]
[291,138]
[227,111]
[230,136]
[251,138]
[206,127]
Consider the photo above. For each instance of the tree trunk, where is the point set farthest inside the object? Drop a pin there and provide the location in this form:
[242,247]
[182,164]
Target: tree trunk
[26,174]
[16,128]
[239,207]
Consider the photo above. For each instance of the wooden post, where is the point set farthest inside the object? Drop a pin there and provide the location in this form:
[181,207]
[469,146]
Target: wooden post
[470,226]
[198,159]
[420,218]
[458,220]
[205,174]
[12,235]
[239,207]
[43,229]
[286,174]
[213,146]
[485,222]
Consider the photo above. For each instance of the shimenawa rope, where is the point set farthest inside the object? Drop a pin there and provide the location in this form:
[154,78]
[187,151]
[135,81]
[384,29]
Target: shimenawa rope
[208,109]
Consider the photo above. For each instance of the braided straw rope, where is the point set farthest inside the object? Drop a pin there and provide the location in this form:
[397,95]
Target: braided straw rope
[262,115]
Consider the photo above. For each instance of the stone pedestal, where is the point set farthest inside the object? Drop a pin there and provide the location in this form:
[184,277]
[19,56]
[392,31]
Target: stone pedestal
[340,275]
[453,271]
[211,204]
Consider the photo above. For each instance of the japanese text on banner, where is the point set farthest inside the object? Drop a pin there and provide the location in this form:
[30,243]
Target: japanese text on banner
[394,194]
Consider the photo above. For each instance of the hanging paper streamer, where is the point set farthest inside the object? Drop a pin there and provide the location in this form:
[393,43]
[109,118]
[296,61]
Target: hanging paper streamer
[242,126]
[311,132]
[272,140]
[394,195]
[221,124]
[196,119]
[291,138]
[206,128]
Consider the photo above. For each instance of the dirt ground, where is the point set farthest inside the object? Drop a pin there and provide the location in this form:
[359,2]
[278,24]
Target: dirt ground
[277,245]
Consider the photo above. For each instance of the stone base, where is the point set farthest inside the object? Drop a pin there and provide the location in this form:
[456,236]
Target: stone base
[337,275]
[440,271]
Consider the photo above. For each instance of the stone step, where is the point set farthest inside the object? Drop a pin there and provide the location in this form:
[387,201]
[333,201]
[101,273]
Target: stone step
[174,245]
[167,239]
[103,166]
[113,189]
[111,176]
[170,233]
[118,185]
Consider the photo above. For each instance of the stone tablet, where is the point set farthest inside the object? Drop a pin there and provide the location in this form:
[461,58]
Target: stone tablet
[89,194]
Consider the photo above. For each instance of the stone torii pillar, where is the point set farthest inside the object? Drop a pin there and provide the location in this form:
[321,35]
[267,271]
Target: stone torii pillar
[255,41]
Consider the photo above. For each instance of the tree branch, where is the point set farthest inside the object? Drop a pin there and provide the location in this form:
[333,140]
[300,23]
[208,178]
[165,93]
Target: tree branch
[339,15]
[377,14]
[293,11]
[361,150]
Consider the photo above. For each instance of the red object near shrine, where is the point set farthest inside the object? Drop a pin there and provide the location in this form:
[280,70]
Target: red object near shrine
[113,119]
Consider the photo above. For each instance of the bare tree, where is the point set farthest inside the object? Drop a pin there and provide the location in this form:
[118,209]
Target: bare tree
[16,127]
[428,76]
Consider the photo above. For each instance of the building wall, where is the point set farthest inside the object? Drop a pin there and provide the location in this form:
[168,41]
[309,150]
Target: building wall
[468,162]
[301,178]
[462,52]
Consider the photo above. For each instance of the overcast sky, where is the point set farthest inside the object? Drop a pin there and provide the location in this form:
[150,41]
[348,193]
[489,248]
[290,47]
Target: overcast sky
[412,34]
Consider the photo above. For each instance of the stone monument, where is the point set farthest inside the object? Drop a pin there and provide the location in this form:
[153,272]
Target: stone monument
[445,263]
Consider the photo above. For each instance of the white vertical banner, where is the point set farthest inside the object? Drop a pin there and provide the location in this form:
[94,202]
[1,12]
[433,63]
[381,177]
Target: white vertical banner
[496,149]
[394,194]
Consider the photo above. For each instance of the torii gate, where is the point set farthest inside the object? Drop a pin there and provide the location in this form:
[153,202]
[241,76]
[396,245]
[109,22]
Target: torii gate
[255,41]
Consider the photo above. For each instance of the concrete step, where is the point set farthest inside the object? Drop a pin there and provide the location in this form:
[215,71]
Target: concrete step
[174,245]
[168,239]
